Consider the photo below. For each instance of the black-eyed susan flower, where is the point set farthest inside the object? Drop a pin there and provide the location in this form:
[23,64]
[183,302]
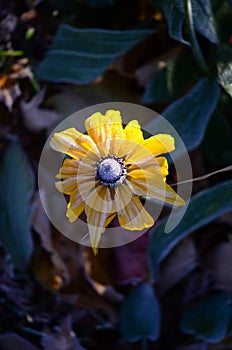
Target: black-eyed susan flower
[110,169]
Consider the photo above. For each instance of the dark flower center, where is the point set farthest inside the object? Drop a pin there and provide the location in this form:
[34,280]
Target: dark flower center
[111,171]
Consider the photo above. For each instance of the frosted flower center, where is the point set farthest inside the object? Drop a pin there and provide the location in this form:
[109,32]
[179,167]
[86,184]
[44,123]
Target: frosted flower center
[111,171]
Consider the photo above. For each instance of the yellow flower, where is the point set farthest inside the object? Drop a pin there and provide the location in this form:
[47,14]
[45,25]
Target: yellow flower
[110,169]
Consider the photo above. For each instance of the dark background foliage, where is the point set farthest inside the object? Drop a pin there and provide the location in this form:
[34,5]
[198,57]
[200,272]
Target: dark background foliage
[163,291]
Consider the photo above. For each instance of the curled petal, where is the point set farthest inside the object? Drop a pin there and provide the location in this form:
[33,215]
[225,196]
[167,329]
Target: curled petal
[134,216]
[159,144]
[72,143]
[146,183]
[97,219]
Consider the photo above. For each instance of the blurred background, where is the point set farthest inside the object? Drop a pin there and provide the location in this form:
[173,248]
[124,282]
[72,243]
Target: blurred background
[162,291]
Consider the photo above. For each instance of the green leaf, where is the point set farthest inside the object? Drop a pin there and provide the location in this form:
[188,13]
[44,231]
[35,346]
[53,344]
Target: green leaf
[209,318]
[190,114]
[140,314]
[219,129]
[82,55]
[202,18]
[16,188]
[169,82]
[224,66]
[203,208]
[175,20]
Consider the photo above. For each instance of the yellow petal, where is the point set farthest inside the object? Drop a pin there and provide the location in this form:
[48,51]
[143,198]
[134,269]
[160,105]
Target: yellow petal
[163,163]
[134,216]
[133,132]
[122,197]
[67,186]
[138,155]
[68,169]
[150,184]
[75,206]
[100,199]
[159,144]
[72,143]
[97,219]
[102,128]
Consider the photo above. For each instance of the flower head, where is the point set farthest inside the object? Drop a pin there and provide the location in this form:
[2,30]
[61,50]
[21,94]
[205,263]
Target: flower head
[110,169]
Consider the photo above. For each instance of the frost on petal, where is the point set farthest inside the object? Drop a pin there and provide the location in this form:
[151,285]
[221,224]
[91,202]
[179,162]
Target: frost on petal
[100,199]
[72,143]
[134,216]
[144,183]
[103,128]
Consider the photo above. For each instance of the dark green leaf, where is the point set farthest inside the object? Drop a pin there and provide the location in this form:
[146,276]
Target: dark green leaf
[224,66]
[190,114]
[81,55]
[175,20]
[203,208]
[168,83]
[157,89]
[219,129]
[16,186]
[230,3]
[140,314]
[202,18]
[208,319]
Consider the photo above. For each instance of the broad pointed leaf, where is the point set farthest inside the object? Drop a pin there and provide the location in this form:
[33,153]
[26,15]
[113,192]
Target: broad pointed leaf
[16,186]
[190,114]
[82,55]
[209,318]
[203,208]
[140,314]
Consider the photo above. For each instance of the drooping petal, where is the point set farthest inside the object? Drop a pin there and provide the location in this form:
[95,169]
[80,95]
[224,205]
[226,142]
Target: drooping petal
[97,219]
[100,199]
[134,216]
[75,206]
[103,128]
[122,197]
[159,144]
[133,132]
[72,143]
[151,184]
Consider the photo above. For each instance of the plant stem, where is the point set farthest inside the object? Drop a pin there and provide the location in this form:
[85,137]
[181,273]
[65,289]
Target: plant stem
[193,39]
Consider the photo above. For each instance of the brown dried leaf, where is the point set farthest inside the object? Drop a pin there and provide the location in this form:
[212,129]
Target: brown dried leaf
[8,96]
[51,271]
[35,118]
